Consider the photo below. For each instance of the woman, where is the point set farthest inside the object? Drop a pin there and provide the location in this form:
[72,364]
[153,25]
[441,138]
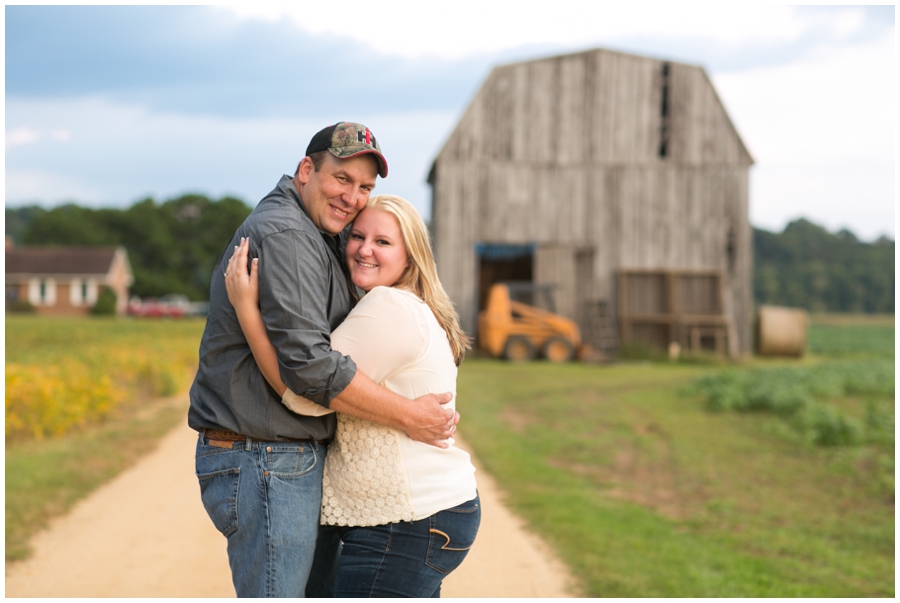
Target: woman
[407,512]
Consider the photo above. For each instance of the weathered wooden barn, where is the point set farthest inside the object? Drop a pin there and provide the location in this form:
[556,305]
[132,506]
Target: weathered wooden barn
[618,179]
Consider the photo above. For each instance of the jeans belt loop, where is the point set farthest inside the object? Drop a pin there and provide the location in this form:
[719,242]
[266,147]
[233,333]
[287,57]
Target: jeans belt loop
[249,444]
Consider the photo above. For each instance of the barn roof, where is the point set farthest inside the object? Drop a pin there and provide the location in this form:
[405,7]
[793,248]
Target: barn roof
[69,261]
[597,107]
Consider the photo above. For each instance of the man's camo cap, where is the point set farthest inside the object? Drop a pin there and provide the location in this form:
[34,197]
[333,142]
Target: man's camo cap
[345,140]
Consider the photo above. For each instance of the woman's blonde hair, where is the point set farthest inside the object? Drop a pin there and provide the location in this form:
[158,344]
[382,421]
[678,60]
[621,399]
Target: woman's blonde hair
[420,275]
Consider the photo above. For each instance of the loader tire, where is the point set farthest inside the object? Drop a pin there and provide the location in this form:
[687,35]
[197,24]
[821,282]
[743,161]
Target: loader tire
[518,349]
[558,349]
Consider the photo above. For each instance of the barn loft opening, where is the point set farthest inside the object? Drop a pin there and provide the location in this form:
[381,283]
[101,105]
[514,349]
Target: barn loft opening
[502,262]
[731,249]
[664,113]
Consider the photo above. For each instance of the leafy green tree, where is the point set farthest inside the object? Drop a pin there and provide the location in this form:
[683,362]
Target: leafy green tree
[805,266]
[71,224]
[19,219]
[172,246]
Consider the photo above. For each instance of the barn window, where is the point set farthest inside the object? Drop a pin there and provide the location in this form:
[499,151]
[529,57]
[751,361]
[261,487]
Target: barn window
[731,249]
[664,113]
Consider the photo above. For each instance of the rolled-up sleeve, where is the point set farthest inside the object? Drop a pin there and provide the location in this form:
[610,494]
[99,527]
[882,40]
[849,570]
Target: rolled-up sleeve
[298,286]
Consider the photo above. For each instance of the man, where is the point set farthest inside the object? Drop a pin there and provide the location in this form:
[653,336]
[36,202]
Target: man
[260,465]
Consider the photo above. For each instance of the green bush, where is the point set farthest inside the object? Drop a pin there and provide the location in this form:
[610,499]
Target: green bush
[20,306]
[880,423]
[800,396]
[106,303]
[640,351]
[826,426]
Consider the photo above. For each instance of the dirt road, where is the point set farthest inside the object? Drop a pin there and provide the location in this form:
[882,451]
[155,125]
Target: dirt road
[145,534]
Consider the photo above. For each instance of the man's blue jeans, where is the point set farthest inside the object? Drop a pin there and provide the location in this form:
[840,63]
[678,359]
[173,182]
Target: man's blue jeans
[406,559]
[265,498]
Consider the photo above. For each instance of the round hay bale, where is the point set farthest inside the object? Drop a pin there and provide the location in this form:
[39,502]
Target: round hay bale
[781,331]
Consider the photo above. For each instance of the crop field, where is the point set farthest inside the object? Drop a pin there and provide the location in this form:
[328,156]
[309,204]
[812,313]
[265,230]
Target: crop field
[83,402]
[63,374]
[769,478]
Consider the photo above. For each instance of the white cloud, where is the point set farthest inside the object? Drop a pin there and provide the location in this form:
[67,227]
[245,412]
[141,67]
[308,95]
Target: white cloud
[411,28]
[821,129]
[822,133]
[849,23]
[126,152]
[22,136]
[61,135]
[28,185]
[861,201]
[836,104]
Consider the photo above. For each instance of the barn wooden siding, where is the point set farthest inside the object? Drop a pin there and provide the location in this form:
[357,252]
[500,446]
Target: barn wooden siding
[577,155]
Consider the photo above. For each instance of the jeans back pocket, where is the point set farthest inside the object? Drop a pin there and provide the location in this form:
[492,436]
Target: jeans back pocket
[451,534]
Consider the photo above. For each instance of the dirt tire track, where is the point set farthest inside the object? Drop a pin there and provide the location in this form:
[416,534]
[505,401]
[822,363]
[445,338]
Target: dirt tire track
[145,534]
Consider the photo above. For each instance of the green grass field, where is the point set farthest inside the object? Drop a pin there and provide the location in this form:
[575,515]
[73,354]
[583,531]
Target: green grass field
[624,469]
[644,492]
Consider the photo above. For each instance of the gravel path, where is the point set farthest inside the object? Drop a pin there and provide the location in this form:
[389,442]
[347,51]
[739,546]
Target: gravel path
[145,534]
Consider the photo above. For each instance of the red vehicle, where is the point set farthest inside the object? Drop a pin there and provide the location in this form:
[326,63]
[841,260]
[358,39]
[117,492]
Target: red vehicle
[154,308]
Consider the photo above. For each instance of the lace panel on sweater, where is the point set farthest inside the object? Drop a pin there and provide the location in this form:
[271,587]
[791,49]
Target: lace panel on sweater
[364,482]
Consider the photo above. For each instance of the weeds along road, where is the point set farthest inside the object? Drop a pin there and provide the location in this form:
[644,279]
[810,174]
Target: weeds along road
[145,534]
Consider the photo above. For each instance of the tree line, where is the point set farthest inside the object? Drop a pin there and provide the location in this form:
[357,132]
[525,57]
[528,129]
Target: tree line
[174,245]
[805,266]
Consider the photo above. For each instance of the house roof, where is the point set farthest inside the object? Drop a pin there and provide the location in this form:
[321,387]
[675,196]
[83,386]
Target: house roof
[75,261]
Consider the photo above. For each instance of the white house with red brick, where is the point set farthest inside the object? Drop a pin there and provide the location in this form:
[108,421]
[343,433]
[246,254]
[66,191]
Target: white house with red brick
[66,280]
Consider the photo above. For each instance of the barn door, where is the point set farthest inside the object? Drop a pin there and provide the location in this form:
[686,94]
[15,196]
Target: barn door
[585,302]
[499,262]
[570,270]
[555,265]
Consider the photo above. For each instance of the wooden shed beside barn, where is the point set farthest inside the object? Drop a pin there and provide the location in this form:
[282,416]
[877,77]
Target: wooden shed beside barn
[618,179]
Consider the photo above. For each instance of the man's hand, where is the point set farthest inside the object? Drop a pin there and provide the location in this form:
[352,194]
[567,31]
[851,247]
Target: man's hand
[424,419]
[433,423]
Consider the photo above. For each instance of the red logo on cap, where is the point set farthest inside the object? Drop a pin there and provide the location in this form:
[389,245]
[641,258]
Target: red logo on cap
[369,139]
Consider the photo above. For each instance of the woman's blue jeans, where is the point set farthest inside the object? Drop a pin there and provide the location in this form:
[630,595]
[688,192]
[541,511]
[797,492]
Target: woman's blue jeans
[264,497]
[406,559]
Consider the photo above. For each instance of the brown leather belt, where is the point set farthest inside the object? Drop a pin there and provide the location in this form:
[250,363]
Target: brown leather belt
[224,435]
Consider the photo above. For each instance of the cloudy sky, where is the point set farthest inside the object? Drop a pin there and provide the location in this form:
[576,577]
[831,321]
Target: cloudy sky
[106,105]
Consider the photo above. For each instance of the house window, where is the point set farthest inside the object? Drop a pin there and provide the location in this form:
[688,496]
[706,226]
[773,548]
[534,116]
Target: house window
[83,292]
[42,291]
